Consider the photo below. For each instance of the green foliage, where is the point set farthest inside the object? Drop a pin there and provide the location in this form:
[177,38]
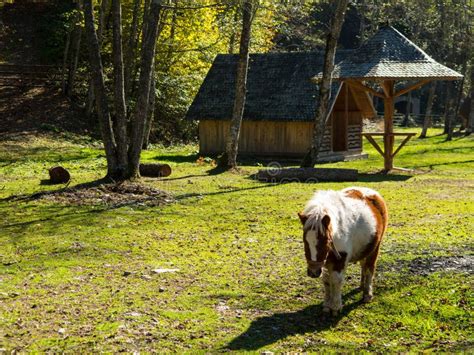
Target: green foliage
[237,243]
[53,27]
[186,48]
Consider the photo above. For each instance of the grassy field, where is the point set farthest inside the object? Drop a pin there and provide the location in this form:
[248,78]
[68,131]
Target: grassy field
[80,278]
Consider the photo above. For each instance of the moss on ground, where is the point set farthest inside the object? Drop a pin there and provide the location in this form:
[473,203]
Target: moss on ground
[81,278]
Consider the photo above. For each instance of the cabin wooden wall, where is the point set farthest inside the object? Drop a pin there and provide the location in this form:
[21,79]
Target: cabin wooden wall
[290,138]
[261,137]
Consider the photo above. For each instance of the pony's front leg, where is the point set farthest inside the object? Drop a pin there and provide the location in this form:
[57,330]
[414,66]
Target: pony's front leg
[327,291]
[333,297]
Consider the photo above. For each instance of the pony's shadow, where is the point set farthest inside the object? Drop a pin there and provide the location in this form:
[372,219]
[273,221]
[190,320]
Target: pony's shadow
[269,329]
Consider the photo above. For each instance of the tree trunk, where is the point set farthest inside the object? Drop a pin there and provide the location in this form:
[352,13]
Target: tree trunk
[429,107]
[130,56]
[135,68]
[470,120]
[233,33]
[325,86]
[150,114]
[174,19]
[75,50]
[99,89]
[100,29]
[362,12]
[232,144]
[103,10]
[119,90]
[146,71]
[90,99]
[65,61]
[447,107]
[406,119]
[454,116]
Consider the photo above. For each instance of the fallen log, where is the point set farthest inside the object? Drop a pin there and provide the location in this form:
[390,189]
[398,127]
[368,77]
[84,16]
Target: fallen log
[155,170]
[58,175]
[306,175]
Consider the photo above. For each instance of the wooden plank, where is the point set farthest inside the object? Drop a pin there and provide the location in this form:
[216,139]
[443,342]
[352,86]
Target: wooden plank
[361,86]
[392,134]
[363,102]
[354,137]
[386,88]
[375,144]
[405,141]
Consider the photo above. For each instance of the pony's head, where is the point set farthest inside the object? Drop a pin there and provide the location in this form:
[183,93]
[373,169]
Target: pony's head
[317,238]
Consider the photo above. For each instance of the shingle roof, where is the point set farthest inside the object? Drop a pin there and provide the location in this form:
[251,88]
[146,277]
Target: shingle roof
[279,87]
[390,55]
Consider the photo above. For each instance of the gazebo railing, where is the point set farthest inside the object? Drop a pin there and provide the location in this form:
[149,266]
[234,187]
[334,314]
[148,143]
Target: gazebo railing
[387,136]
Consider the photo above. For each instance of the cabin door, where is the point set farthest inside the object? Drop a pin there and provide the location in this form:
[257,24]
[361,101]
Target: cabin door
[339,131]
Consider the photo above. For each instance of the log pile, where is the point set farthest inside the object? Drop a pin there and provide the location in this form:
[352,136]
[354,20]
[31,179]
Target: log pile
[155,170]
[59,175]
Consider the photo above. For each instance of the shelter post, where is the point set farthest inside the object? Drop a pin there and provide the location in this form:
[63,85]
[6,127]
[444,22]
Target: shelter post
[388,137]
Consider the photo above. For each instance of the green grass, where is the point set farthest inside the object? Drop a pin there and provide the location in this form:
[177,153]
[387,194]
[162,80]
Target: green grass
[238,245]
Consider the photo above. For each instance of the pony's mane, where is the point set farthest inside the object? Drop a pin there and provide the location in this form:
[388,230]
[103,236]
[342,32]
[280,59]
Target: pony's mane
[317,208]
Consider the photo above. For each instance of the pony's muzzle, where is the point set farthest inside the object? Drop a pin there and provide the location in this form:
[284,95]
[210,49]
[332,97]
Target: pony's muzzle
[314,273]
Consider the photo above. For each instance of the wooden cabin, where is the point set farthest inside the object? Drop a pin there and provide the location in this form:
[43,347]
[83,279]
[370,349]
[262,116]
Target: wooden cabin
[280,108]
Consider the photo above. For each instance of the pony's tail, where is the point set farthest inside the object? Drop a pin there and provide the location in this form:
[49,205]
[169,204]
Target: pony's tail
[379,204]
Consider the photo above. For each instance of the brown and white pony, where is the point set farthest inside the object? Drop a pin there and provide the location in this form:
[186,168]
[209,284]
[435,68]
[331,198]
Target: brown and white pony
[340,227]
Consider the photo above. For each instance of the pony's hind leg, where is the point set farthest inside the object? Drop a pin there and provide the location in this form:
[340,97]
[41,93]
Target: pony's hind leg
[367,275]
[362,274]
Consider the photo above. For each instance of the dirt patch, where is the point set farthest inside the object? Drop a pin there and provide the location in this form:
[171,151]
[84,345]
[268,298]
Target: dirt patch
[426,266]
[113,195]
[43,109]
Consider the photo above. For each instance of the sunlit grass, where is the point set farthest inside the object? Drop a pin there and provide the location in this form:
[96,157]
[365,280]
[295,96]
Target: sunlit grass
[237,244]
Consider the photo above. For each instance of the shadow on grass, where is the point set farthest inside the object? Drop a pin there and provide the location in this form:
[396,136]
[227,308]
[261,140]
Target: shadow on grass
[79,216]
[218,169]
[374,177]
[37,195]
[177,158]
[184,177]
[448,163]
[197,194]
[17,154]
[381,177]
[270,329]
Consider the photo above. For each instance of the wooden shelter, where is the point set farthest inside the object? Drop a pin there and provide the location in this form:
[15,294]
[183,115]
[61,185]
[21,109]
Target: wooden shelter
[385,58]
[280,108]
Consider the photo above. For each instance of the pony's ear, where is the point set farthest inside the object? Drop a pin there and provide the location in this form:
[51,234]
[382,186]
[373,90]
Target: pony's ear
[326,221]
[302,217]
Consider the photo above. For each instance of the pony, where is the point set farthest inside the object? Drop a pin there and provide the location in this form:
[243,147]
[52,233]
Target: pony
[342,227]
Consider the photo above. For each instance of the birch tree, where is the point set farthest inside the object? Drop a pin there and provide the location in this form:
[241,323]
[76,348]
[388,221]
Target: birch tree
[119,89]
[97,76]
[122,146]
[146,71]
[325,85]
[232,144]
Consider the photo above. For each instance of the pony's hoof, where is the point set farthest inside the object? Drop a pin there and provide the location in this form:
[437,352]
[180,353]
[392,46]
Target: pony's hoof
[368,298]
